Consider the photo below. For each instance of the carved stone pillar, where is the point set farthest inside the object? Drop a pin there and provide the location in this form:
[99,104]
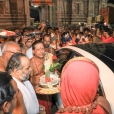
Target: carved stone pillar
[96,7]
[91,8]
[14,13]
[81,7]
[27,13]
[50,15]
[43,12]
[2,4]
[86,8]
[58,12]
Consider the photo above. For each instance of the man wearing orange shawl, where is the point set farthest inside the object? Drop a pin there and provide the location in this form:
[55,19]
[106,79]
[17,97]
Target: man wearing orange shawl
[79,84]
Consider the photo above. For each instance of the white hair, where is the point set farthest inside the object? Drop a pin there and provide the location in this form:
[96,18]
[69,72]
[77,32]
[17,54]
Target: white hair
[6,46]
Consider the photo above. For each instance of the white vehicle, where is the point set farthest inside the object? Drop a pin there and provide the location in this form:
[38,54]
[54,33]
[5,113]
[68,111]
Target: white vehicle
[103,56]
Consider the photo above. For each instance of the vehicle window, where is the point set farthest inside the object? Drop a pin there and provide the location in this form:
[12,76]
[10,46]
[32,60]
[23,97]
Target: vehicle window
[65,55]
[102,51]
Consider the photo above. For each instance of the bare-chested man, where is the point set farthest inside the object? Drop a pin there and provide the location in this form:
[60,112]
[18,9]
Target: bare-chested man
[7,51]
[37,62]
[47,42]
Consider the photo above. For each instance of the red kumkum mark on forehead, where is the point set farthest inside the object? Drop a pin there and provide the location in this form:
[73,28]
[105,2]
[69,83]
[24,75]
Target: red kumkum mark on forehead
[40,47]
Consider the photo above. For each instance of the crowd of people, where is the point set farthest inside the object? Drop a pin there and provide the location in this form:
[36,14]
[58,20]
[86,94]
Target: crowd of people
[22,58]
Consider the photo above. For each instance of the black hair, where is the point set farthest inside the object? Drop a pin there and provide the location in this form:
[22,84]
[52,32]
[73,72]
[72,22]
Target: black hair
[64,33]
[81,33]
[14,62]
[76,29]
[86,29]
[35,43]
[108,31]
[48,35]
[16,36]
[6,89]
[56,29]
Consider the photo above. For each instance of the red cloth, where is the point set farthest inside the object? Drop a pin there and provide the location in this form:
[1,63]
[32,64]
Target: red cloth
[73,41]
[46,101]
[79,84]
[42,2]
[107,40]
[63,45]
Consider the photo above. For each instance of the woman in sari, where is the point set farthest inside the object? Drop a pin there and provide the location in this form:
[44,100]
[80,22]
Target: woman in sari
[79,84]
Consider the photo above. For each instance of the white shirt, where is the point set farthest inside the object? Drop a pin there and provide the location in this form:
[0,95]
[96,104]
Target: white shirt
[82,37]
[29,96]
[29,53]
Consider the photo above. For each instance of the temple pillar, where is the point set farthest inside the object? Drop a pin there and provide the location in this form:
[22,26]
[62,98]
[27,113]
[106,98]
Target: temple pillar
[43,13]
[14,13]
[91,8]
[27,13]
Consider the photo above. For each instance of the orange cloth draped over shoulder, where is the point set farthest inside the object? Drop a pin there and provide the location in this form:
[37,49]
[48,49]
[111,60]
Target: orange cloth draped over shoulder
[79,84]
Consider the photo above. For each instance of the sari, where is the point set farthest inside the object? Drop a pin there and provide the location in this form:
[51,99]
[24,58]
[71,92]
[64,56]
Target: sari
[79,84]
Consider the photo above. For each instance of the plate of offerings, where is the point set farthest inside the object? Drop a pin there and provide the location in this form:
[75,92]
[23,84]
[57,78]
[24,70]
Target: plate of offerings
[4,32]
[48,91]
[48,84]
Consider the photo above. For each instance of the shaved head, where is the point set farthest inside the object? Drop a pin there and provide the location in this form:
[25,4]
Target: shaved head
[11,46]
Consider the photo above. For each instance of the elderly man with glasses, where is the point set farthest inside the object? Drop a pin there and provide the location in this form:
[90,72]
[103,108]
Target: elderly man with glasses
[7,51]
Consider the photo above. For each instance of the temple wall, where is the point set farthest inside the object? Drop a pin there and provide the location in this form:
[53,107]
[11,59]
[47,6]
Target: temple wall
[14,13]
[72,12]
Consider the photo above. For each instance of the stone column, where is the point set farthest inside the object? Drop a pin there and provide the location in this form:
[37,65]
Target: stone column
[54,16]
[81,5]
[91,8]
[50,14]
[27,13]
[58,12]
[43,13]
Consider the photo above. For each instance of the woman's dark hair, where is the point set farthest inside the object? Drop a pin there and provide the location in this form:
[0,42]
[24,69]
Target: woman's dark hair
[108,31]
[6,89]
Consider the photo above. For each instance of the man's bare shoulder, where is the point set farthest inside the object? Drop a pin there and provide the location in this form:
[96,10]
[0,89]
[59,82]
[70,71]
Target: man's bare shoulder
[2,67]
[20,106]
[32,61]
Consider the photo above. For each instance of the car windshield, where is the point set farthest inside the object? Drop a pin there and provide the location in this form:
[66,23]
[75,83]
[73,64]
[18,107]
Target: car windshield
[102,51]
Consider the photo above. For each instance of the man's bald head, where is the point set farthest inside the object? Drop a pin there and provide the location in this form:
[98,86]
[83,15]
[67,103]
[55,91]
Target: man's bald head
[11,47]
